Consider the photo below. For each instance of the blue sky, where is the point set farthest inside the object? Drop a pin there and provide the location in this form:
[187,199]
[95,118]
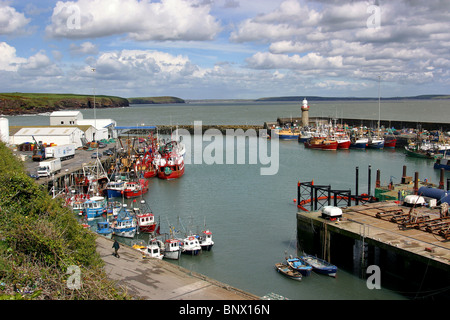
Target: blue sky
[225,49]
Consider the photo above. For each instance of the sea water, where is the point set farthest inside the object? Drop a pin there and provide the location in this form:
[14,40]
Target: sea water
[252,216]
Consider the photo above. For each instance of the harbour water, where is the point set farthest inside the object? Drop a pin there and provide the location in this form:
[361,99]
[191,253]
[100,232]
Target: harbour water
[252,216]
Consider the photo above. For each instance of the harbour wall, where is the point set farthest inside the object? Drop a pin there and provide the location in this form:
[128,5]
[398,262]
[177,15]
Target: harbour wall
[354,246]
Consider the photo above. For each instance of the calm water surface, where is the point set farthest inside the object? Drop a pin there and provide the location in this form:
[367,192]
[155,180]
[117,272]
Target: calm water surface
[253,217]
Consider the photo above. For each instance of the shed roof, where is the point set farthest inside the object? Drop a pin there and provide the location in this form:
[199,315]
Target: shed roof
[65,113]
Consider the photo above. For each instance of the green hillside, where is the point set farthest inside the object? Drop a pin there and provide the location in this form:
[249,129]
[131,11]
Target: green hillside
[30,103]
[155,100]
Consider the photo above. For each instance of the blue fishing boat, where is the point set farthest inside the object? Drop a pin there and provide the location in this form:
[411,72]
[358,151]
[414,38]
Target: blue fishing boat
[443,163]
[287,134]
[359,143]
[104,229]
[299,265]
[125,225]
[114,189]
[95,207]
[319,265]
[375,143]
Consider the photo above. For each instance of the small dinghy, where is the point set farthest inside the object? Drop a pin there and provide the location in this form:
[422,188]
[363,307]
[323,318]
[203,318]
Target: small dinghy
[288,271]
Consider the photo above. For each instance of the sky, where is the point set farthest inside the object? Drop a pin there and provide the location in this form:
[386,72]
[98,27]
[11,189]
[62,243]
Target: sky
[226,49]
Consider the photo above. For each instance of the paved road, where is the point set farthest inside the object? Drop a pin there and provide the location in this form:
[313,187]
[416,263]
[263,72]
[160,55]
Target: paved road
[154,279]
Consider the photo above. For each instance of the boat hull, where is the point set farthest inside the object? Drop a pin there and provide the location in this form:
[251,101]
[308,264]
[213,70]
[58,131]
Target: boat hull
[172,255]
[329,146]
[288,272]
[375,145]
[319,265]
[300,266]
[113,193]
[344,145]
[125,232]
[175,174]
[390,143]
[147,228]
[288,136]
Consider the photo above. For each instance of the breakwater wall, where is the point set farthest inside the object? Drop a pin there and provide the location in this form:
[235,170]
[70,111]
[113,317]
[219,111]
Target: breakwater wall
[168,129]
[370,123]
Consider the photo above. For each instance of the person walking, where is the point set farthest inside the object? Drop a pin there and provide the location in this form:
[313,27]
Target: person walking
[116,247]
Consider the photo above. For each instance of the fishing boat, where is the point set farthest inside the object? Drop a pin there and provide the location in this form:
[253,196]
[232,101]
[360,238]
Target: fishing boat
[113,208]
[95,207]
[114,189]
[375,143]
[125,224]
[104,229]
[170,167]
[288,271]
[319,265]
[442,163]
[190,245]
[298,265]
[390,142]
[287,134]
[144,217]
[151,250]
[321,143]
[359,142]
[172,249]
[305,136]
[205,240]
[422,151]
[344,142]
[78,206]
[135,188]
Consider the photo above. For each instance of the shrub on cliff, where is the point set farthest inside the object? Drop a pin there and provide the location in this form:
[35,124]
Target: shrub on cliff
[40,240]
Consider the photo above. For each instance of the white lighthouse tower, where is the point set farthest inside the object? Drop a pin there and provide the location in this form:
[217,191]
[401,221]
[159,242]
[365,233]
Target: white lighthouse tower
[305,113]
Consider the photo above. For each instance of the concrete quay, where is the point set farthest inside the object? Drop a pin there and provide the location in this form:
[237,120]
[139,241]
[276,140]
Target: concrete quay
[154,279]
[411,260]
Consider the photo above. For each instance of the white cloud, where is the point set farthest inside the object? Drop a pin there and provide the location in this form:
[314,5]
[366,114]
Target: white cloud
[11,21]
[335,40]
[83,49]
[8,58]
[139,20]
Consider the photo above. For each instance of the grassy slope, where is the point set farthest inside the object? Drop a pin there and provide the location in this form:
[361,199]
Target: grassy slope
[40,239]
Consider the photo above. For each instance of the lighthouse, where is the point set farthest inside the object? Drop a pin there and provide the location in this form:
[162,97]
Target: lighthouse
[305,113]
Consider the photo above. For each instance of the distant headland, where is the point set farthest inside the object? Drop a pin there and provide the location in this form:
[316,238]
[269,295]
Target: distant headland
[18,103]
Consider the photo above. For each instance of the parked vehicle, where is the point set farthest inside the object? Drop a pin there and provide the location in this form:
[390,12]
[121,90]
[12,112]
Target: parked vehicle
[63,152]
[48,167]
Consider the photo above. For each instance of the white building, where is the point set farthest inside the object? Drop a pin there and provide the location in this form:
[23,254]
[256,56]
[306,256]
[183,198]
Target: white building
[48,135]
[103,128]
[65,118]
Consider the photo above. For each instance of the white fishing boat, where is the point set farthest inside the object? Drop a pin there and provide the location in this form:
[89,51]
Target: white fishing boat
[205,240]
[172,249]
[190,245]
[151,250]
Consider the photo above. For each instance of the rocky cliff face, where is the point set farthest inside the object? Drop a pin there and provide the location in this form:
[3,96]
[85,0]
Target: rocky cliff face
[17,104]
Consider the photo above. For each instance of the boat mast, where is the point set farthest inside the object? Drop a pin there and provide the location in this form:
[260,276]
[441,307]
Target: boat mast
[379,103]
